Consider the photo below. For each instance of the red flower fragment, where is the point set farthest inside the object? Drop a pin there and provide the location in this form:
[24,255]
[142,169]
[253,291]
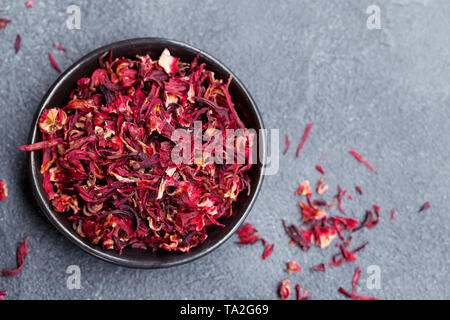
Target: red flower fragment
[247,234]
[287,144]
[353,295]
[320,267]
[268,248]
[4,22]
[3,294]
[362,160]
[304,138]
[425,206]
[17,43]
[392,214]
[22,252]
[292,266]
[345,255]
[29,4]
[284,289]
[296,236]
[53,62]
[360,191]
[299,293]
[3,190]
[320,169]
[60,47]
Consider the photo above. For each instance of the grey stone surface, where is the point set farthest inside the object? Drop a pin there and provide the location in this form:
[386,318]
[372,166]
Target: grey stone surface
[382,92]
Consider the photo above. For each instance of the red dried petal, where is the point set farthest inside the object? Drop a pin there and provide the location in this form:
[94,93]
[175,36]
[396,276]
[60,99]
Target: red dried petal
[304,138]
[247,234]
[3,190]
[268,248]
[356,279]
[353,295]
[320,169]
[17,43]
[392,214]
[41,145]
[287,144]
[304,188]
[360,191]
[3,294]
[292,266]
[22,252]
[425,206]
[4,22]
[321,189]
[29,4]
[284,289]
[53,62]
[299,293]
[60,47]
[320,267]
[362,160]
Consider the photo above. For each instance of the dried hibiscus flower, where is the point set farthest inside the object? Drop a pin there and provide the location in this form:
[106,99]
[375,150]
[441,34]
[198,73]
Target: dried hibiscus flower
[3,190]
[292,266]
[299,293]
[3,294]
[353,295]
[22,252]
[4,22]
[111,162]
[284,289]
[425,206]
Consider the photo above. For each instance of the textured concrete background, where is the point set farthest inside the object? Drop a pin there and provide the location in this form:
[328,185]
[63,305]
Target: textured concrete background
[382,92]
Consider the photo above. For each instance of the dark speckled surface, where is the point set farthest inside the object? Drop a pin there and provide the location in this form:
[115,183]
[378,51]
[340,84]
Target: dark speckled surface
[382,92]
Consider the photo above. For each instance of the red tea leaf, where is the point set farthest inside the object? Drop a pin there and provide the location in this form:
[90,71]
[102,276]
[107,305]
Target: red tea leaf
[321,189]
[287,144]
[303,189]
[22,252]
[60,47]
[53,62]
[304,138]
[296,236]
[299,293]
[4,22]
[268,248]
[362,160]
[3,190]
[320,267]
[320,169]
[284,289]
[353,295]
[425,206]
[355,279]
[292,267]
[340,195]
[17,43]
[41,145]
[247,234]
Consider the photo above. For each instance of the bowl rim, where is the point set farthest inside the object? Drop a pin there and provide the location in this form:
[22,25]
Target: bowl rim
[98,252]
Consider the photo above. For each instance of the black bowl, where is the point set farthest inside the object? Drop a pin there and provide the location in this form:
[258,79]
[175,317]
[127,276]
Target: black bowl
[58,94]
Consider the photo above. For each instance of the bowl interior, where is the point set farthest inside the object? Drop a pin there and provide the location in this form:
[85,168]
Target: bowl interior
[57,96]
